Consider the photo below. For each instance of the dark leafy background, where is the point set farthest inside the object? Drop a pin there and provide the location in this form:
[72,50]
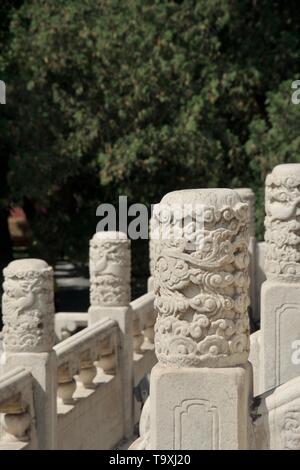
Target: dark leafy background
[138,98]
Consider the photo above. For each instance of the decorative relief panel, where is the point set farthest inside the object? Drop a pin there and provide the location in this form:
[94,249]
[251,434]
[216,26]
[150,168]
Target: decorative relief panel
[201,279]
[193,419]
[110,269]
[282,222]
[28,306]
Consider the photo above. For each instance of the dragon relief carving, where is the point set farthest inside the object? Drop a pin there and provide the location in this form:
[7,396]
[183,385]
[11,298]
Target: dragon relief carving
[28,308]
[109,270]
[282,223]
[202,287]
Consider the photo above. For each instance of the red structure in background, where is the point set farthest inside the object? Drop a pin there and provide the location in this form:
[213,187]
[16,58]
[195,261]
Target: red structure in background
[19,227]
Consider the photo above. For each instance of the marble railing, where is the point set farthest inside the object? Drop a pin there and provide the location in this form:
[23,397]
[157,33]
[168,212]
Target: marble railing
[17,410]
[83,376]
[78,356]
[89,391]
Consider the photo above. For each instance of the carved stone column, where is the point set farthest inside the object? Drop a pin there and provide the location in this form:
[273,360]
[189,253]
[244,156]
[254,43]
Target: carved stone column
[153,246]
[280,296]
[201,286]
[28,315]
[110,269]
[247,196]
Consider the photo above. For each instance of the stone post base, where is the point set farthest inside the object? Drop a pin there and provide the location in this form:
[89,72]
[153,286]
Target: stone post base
[199,408]
[280,333]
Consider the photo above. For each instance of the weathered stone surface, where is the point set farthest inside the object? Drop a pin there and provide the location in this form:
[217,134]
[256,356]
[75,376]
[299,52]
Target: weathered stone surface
[28,306]
[280,295]
[247,196]
[153,249]
[199,408]
[277,426]
[282,258]
[28,312]
[43,367]
[280,329]
[143,442]
[254,358]
[201,279]
[260,275]
[110,269]
[110,262]
[201,284]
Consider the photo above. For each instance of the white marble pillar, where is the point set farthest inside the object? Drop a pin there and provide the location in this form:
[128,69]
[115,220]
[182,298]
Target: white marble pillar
[110,269]
[280,295]
[28,333]
[200,388]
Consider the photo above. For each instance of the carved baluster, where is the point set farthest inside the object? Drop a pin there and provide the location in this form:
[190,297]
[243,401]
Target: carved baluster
[148,331]
[15,420]
[138,338]
[66,384]
[107,360]
[87,371]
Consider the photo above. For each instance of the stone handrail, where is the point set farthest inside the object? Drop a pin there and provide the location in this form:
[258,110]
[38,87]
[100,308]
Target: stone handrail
[85,386]
[16,408]
[144,357]
[143,321]
[68,323]
[77,354]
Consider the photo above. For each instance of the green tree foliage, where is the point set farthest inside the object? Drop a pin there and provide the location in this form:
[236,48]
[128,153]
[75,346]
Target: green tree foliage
[141,97]
[6,137]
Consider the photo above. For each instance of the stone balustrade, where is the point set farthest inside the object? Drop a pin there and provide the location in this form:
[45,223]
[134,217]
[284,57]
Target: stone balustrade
[82,392]
[28,337]
[69,323]
[16,410]
[77,356]
[144,358]
[201,284]
[153,247]
[280,294]
[144,320]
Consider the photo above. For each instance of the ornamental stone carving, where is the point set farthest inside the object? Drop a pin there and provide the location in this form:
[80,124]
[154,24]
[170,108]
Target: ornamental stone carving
[109,269]
[291,430]
[201,279]
[247,196]
[153,243]
[282,223]
[28,306]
